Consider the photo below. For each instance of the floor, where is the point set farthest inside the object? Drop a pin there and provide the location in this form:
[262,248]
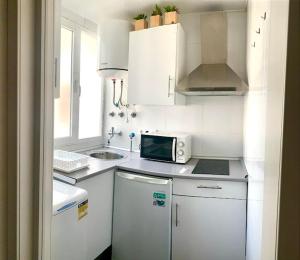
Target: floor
[106,255]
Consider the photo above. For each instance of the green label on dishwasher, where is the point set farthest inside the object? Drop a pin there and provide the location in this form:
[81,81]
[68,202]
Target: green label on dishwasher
[159,199]
[159,195]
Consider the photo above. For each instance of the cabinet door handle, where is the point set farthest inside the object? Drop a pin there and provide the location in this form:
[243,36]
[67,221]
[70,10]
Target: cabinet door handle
[176,215]
[217,187]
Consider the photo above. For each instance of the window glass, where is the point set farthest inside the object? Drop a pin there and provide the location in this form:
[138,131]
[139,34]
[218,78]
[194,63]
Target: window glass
[90,117]
[62,105]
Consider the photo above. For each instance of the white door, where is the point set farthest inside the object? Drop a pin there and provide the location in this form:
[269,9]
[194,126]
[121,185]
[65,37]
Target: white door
[152,66]
[208,228]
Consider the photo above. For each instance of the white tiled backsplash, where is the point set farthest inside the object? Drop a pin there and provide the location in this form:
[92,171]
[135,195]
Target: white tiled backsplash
[215,123]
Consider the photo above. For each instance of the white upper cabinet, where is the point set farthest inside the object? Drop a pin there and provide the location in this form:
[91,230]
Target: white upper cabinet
[156,65]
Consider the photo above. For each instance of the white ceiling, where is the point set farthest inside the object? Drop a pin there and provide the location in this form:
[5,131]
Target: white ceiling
[97,10]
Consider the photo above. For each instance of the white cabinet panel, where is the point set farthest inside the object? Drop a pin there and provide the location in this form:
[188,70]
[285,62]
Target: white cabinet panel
[208,228]
[156,63]
[99,228]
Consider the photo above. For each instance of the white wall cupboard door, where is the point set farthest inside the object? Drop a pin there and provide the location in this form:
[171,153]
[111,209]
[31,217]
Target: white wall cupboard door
[208,228]
[99,226]
[154,61]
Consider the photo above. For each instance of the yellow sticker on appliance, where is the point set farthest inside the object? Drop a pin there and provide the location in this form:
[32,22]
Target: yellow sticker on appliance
[83,209]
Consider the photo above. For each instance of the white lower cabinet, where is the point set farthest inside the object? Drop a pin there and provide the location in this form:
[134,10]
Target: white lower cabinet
[99,226]
[208,228]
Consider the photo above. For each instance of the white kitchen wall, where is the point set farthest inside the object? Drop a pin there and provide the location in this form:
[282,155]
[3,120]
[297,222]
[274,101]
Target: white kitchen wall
[276,78]
[216,123]
[266,65]
[255,122]
[254,148]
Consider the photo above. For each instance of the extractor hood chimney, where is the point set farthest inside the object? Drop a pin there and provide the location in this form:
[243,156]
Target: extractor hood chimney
[213,76]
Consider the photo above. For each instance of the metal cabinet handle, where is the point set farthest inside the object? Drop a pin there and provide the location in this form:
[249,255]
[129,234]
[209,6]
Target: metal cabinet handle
[176,215]
[217,187]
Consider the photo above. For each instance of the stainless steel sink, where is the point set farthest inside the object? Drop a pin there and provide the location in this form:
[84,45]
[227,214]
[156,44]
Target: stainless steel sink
[106,155]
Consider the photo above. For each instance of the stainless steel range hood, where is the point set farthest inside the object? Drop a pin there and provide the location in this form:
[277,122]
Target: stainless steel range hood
[212,80]
[213,76]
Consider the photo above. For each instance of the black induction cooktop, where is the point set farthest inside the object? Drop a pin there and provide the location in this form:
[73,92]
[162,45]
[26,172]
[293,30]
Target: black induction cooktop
[212,166]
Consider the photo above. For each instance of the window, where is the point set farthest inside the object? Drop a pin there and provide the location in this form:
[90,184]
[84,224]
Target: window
[78,110]
[62,105]
[91,94]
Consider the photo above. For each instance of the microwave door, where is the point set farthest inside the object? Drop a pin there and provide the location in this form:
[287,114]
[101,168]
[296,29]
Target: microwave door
[162,148]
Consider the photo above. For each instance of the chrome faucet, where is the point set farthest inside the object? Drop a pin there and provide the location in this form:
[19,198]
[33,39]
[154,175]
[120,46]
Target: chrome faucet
[112,133]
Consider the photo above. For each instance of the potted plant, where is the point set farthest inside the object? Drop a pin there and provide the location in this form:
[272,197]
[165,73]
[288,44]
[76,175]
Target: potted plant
[171,14]
[140,22]
[155,19]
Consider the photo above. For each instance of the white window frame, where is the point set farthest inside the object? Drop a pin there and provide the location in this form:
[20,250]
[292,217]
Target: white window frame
[78,24]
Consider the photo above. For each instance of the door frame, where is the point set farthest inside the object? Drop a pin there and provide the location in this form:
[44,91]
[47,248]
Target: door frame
[45,78]
[30,128]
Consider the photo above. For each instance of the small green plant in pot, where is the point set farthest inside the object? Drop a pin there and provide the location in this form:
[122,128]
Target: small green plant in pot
[155,19]
[171,14]
[140,22]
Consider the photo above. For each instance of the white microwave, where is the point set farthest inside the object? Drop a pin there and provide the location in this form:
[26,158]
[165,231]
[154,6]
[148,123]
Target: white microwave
[168,147]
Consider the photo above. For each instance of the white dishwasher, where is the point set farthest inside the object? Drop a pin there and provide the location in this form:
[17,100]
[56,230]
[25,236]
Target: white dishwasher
[141,217]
